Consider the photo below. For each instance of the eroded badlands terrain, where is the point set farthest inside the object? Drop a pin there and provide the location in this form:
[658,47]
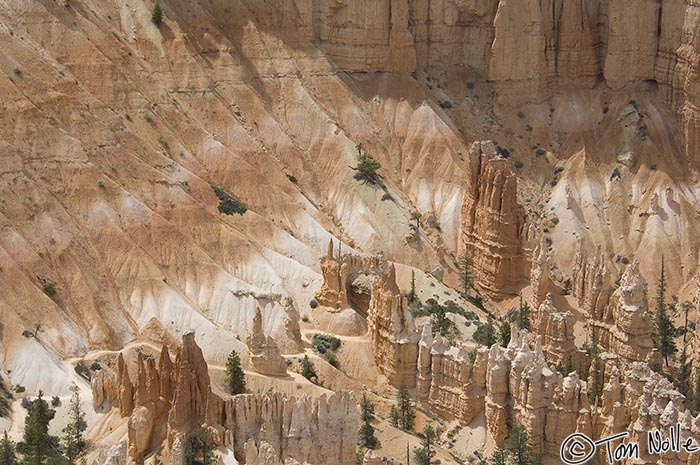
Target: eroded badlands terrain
[556,143]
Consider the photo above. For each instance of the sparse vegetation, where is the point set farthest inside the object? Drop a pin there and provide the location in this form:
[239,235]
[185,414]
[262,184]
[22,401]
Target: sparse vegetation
[163,141]
[403,414]
[55,401]
[200,448]
[366,169]
[148,116]
[326,345]
[49,288]
[291,177]
[664,330]
[229,205]
[308,370]
[82,369]
[305,318]
[235,378]
[486,334]
[157,14]
[313,303]
[447,103]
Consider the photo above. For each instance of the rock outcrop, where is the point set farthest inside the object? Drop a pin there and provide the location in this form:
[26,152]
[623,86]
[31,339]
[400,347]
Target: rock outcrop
[347,279]
[626,327]
[171,399]
[539,275]
[451,381]
[590,283]
[393,336]
[493,223]
[557,331]
[264,354]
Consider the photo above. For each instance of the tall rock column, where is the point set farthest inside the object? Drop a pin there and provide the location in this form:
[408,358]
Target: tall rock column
[493,223]
[393,336]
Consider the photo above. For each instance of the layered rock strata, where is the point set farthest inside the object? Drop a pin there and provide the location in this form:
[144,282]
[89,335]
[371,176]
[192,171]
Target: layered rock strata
[392,331]
[170,399]
[493,223]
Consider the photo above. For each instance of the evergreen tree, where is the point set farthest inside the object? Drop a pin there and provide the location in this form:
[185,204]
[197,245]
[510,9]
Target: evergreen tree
[200,448]
[8,456]
[406,409]
[366,408]
[595,380]
[157,14]
[520,452]
[394,416]
[500,455]
[522,316]
[366,169]
[466,272]
[308,370]
[235,378]
[74,442]
[664,330]
[486,334]
[38,447]
[366,436]
[412,296]
[504,334]
[425,453]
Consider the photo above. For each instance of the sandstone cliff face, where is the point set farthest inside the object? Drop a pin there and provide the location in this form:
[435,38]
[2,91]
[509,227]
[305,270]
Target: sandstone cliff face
[449,382]
[392,332]
[171,399]
[557,331]
[493,223]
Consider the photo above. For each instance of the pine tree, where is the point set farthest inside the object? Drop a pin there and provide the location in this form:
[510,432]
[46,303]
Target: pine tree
[595,376]
[8,456]
[425,453]
[38,447]
[519,450]
[157,14]
[406,409]
[394,416]
[308,370]
[366,408]
[235,378]
[504,334]
[412,296]
[522,316]
[200,448]
[74,442]
[664,330]
[486,334]
[416,216]
[466,272]
[366,436]
[500,455]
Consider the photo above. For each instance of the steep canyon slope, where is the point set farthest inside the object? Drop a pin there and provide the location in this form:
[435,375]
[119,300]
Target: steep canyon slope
[120,137]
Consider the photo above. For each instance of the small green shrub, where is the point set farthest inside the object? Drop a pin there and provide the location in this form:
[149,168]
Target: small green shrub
[322,343]
[55,401]
[313,303]
[148,116]
[157,14]
[95,366]
[19,389]
[227,204]
[305,318]
[163,141]
[446,104]
[82,369]
[292,178]
[49,288]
